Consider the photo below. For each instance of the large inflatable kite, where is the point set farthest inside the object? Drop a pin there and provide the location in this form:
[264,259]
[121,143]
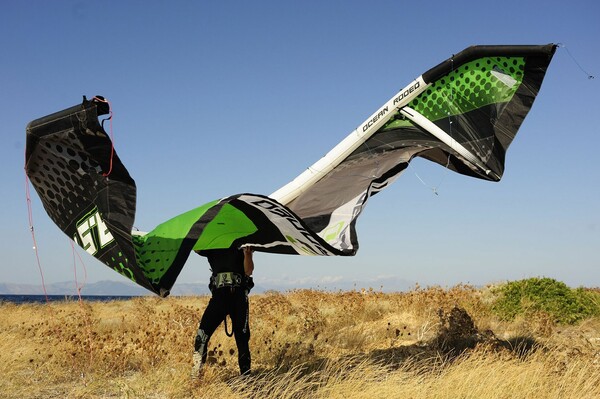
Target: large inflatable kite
[462,114]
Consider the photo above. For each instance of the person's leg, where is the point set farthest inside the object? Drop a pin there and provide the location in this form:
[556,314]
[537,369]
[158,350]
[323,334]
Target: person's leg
[212,317]
[241,329]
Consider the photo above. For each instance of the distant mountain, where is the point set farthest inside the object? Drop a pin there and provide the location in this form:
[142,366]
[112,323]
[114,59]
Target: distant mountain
[336,283]
[118,288]
[111,288]
[187,289]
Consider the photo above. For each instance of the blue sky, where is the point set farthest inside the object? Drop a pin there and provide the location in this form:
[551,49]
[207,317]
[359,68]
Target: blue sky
[216,98]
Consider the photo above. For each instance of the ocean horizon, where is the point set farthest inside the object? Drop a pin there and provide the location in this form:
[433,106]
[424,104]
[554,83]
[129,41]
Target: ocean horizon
[36,298]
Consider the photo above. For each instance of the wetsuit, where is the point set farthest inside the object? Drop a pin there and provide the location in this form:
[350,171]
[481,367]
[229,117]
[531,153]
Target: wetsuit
[229,286]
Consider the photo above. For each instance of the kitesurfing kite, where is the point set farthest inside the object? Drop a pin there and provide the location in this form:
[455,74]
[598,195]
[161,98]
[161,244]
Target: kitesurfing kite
[462,114]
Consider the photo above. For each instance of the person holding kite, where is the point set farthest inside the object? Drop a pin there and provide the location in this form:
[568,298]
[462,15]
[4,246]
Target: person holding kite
[230,284]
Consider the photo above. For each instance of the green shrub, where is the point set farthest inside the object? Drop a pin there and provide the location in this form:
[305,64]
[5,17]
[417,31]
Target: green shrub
[545,295]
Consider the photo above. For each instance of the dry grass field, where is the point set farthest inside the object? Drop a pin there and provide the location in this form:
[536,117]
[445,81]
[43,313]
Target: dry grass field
[426,343]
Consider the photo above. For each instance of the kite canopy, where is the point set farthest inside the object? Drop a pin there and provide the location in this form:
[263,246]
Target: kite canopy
[463,114]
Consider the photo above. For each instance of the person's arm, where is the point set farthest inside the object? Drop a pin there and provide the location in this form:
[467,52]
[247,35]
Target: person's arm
[248,262]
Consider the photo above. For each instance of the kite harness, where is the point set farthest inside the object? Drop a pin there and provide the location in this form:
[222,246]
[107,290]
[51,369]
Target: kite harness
[233,281]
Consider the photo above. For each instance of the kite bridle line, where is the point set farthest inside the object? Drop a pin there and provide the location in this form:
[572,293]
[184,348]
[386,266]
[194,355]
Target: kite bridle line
[86,315]
[450,122]
[39,264]
[37,254]
[589,75]
[35,247]
[444,137]
[32,230]
[75,256]
[435,188]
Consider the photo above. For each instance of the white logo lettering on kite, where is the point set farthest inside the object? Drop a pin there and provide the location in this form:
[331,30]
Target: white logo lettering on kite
[92,233]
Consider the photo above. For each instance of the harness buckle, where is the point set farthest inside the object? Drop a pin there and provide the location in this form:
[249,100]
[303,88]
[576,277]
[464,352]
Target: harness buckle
[226,279]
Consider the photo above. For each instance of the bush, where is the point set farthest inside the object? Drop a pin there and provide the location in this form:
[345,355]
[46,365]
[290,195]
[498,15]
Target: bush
[545,295]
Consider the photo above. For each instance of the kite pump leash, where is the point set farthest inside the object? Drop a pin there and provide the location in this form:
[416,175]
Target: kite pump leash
[112,142]
[229,334]
[112,139]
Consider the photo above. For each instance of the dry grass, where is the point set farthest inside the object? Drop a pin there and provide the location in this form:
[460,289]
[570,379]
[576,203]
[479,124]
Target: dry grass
[305,344]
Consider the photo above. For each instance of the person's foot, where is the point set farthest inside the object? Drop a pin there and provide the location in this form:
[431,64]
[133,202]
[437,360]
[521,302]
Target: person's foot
[245,373]
[197,360]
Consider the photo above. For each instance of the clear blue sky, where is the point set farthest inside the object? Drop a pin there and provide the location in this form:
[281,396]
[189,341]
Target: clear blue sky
[216,98]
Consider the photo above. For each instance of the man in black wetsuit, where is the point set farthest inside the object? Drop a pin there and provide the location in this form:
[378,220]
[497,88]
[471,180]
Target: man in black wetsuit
[230,284]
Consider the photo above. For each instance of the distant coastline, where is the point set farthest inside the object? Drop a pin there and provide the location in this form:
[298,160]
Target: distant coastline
[110,288]
[69,289]
[22,299]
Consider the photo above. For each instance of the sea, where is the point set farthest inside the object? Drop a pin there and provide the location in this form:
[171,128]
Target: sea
[21,299]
